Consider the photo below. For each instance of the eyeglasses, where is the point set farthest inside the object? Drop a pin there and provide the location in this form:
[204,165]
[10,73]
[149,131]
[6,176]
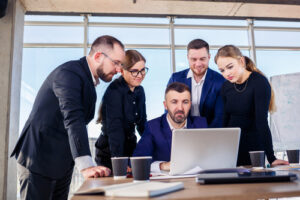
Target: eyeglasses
[115,62]
[136,72]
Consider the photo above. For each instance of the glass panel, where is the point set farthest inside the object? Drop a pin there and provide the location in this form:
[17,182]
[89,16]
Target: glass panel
[213,37]
[52,18]
[220,22]
[139,20]
[273,63]
[182,62]
[276,23]
[132,35]
[37,65]
[155,82]
[277,38]
[53,34]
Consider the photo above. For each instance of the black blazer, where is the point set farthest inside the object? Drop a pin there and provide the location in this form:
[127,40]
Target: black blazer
[122,111]
[55,132]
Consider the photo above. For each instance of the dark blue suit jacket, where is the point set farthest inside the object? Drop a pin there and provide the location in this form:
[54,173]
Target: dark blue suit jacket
[55,132]
[157,138]
[211,104]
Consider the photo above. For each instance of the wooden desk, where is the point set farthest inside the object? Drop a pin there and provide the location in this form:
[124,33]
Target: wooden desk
[223,191]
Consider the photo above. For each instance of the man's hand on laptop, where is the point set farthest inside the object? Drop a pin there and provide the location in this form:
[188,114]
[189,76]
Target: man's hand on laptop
[94,172]
[165,166]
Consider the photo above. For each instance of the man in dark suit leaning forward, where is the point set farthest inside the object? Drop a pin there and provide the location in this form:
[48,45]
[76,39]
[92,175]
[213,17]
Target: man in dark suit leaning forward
[157,138]
[55,137]
[204,83]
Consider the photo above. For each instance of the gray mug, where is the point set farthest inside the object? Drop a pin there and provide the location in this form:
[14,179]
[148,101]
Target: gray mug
[141,168]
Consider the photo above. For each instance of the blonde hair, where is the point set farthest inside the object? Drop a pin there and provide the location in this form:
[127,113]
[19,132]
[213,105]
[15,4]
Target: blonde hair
[234,52]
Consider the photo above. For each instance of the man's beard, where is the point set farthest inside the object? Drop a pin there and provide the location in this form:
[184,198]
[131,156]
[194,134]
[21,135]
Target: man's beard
[103,76]
[177,120]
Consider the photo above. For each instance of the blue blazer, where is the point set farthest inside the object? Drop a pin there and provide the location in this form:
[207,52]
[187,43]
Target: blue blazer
[211,104]
[55,132]
[157,138]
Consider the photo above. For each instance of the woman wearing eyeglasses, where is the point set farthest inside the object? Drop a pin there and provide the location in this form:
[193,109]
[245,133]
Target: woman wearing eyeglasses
[122,110]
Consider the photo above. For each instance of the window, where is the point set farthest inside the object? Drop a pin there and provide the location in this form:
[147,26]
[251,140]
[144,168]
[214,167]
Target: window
[52,40]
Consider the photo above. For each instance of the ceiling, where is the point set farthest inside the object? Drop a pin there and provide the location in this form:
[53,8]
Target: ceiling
[271,9]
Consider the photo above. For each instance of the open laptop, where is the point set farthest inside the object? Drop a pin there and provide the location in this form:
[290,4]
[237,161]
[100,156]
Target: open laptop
[212,148]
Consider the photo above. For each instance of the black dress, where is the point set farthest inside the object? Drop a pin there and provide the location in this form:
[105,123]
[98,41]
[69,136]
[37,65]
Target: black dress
[123,111]
[246,106]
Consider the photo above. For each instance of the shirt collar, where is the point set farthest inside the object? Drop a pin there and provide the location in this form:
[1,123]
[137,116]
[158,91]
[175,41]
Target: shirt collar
[171,127]
[96,82]
[190,75]
[125,84]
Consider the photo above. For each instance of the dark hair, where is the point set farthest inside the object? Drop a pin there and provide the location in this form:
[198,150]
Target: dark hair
[198,44]
[132,57]
[178,87]
[105,40]
[234,52]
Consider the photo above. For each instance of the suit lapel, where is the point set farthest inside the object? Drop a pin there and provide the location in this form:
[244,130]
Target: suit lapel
[91,85]
[189,123]
[187,81]
[86,69]
[167,133]
[206,87]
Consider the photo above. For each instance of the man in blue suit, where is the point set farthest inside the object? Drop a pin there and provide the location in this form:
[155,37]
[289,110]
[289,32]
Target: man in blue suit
[55,137]
[205,84]
[157,138]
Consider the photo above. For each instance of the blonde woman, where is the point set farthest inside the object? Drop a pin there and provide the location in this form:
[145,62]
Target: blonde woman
[247,97]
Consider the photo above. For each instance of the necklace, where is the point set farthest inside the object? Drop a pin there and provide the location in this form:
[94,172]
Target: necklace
[243,89]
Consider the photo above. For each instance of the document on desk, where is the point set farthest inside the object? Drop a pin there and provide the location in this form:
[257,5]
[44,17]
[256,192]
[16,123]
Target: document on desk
[139,189]
[165,174]
[195,171]
[293,167]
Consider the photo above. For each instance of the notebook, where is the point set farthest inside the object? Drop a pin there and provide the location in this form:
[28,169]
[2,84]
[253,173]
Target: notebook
[139,189]
[213,148]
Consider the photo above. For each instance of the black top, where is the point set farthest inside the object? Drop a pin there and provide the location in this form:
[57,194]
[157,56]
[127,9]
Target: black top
[122,112]
[246,106]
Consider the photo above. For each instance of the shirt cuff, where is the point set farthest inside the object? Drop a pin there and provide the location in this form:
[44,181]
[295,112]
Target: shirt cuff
[155,166]
[83,162]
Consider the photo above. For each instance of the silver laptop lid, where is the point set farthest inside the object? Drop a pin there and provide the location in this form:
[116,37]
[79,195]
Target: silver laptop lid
[212,148]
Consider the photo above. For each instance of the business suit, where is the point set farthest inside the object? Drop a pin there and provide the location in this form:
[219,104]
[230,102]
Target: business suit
[211,105]
[157,138]
[55,132]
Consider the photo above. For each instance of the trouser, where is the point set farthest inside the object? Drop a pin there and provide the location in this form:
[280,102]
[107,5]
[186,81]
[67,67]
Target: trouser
[34,186]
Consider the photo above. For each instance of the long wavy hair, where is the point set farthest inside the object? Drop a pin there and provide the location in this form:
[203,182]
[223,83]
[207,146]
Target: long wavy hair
[234,52]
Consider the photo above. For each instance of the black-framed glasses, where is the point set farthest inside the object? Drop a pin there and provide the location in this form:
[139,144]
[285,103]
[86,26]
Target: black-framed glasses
[136,72]
[115,62]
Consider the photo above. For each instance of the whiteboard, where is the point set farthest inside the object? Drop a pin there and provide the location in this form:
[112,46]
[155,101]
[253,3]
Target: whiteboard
[285,122]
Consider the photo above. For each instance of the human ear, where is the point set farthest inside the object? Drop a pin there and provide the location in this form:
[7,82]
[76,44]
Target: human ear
[165,105]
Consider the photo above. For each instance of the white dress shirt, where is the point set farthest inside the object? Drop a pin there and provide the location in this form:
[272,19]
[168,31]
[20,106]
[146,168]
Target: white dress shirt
[196,92]
[155,165]
[83,162]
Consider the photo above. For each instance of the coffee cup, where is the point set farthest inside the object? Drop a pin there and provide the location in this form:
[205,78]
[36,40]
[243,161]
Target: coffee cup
[257,158]
[140,168]
[119,167]
[293,156]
